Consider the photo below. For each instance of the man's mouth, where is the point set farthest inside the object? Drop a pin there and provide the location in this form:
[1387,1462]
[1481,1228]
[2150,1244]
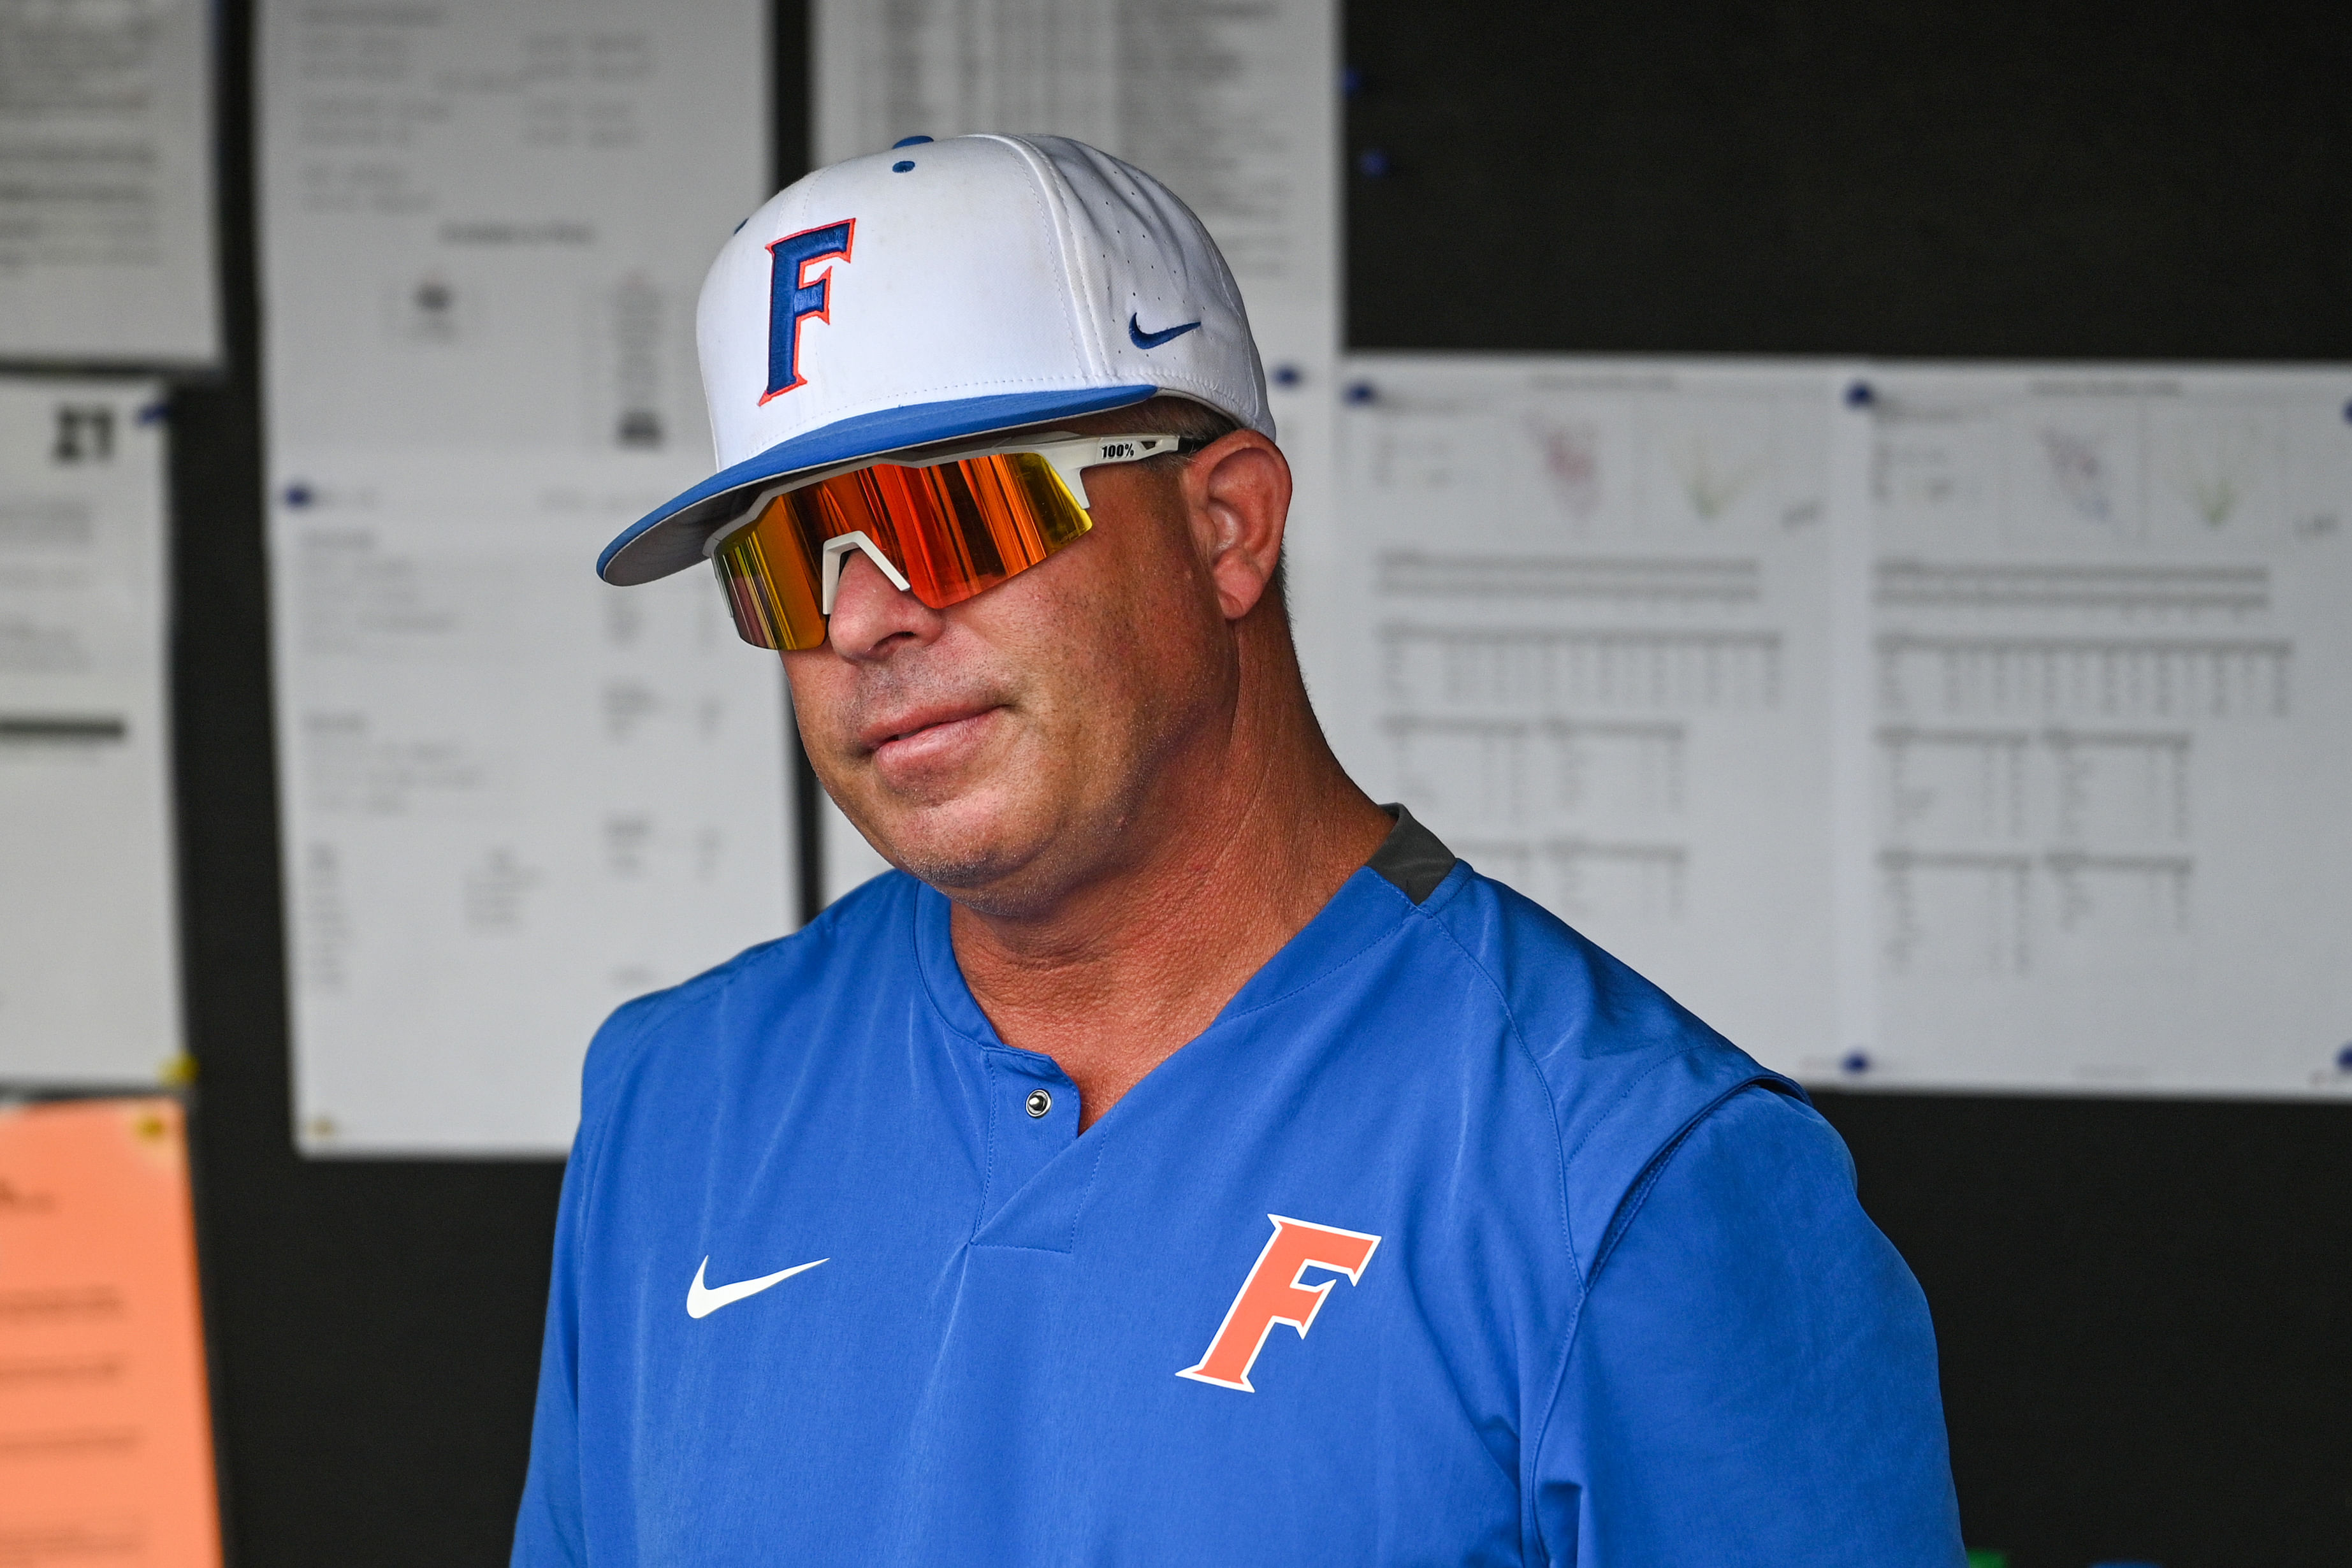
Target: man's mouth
[927,734]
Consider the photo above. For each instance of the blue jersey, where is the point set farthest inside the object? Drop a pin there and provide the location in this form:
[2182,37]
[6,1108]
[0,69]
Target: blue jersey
[1451,1241]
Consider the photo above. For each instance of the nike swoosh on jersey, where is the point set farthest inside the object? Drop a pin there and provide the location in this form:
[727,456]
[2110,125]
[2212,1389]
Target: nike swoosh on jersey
[1143,340]
[701,1300]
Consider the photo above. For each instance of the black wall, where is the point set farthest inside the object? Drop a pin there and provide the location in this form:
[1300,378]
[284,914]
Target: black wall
[2144,1307]
[2001,179]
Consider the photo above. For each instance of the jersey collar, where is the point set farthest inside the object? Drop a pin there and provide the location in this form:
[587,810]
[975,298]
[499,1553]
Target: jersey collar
[1365,911]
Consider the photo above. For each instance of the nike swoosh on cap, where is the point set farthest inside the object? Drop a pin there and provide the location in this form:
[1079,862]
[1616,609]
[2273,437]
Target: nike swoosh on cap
[1144,340]
[701,1300]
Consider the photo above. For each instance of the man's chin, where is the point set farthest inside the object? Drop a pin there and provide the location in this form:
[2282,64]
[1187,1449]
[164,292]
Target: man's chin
[967,844]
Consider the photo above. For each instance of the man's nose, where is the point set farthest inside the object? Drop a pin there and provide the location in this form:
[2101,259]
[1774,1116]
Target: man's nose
[870,616]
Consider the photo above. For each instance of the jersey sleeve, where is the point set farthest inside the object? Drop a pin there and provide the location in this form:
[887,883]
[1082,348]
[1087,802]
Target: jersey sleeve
[550,1528]
[1752,1377]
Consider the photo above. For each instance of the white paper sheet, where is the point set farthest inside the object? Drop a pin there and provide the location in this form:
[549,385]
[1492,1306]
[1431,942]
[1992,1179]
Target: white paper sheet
[1234,106]
[90,981]
[1591,645]
[2110,727]
[512,797]
[107,242]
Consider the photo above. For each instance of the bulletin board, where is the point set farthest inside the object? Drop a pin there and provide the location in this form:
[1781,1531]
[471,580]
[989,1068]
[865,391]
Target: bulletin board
[2141,1358]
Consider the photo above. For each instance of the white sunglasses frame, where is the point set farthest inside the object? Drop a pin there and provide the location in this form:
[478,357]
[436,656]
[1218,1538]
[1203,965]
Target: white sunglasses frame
[1068,455]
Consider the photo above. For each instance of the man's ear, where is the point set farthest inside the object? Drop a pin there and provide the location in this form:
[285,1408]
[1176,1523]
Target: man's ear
[1237,495]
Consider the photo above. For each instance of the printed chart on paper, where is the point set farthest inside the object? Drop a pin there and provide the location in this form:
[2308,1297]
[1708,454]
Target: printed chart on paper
[108,250]
[512,797]
[90,957]
[2111,721]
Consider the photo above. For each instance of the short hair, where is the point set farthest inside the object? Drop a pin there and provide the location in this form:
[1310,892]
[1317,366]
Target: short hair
[1182,416]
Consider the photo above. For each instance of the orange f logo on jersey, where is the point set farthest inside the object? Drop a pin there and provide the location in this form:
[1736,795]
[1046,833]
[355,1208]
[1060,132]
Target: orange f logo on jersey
[1272,1294]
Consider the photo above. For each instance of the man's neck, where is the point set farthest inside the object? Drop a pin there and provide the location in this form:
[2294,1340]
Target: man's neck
[1118,975]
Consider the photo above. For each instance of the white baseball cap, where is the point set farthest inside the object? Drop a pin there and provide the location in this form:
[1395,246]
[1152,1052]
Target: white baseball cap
[939,290]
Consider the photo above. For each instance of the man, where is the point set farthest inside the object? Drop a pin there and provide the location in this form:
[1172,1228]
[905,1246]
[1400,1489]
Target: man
[1181,1158]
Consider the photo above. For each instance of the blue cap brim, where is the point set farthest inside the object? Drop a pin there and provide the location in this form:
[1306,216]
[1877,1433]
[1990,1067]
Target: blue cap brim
[670,537]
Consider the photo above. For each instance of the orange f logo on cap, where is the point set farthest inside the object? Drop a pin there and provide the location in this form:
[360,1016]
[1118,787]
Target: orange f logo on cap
[1272,1294]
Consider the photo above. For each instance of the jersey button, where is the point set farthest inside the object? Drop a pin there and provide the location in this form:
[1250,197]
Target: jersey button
[1039,1103]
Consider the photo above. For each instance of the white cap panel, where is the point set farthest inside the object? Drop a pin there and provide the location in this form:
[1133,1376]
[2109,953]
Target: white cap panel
[905,289]
[954,287]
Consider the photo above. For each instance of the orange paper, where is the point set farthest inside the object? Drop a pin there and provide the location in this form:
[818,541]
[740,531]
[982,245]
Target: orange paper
[105,1431]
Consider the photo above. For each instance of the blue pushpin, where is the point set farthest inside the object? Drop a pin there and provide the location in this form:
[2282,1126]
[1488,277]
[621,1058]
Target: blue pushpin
[1363,392]
[1351,81]
[1860,395]
[1372,164]
[1288,376]
[298,495]
[1855,1063]
[903,166]
[909,142]
[154,413]
[2344,1058]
